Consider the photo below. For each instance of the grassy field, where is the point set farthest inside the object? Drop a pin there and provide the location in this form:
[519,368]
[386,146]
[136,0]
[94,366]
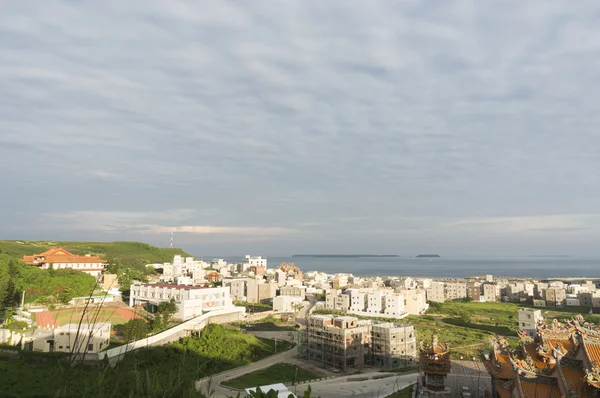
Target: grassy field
[269,323]
[154,372]
[129,253]
[279,373]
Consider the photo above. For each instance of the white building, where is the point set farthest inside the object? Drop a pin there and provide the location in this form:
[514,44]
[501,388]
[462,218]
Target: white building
[286,303]
[376,302]
[358,300]
[71,338]
[191,301]
[254,261]
[415,301]
[394,304]
[528,319]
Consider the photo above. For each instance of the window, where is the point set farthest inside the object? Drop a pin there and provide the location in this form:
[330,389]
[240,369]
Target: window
[90,347]
[68,347]
[60,347]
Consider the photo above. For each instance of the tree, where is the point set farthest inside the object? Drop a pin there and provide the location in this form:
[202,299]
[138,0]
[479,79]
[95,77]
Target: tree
[135,329]
[164,312]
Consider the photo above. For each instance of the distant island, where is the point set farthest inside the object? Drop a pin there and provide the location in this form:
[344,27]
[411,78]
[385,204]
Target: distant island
[344,255]
[428,256]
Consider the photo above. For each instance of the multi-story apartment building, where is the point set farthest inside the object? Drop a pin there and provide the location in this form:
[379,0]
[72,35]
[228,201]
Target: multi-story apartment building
[254,261]
[376,302]
[286,303]
[358,300]
[555,296]
[455,291]
[237,288]
[474,291]
[436,292]
[528,320]
[415,301]
[394,304]
[392,345]
[299,291]
[340,302]
[539,289]
[258,291]
[191,301]
[491,292]
[340,281]
[347,343]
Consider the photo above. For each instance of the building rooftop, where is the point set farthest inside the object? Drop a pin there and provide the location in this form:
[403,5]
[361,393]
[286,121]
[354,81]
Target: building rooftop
[172,286]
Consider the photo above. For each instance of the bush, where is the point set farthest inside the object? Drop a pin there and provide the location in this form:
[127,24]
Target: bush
[135,329]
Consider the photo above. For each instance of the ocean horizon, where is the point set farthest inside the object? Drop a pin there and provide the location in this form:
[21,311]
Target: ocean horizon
[534,266]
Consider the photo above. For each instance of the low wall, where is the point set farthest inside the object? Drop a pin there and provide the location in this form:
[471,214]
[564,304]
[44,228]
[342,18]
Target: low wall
[114,355]
[257,316]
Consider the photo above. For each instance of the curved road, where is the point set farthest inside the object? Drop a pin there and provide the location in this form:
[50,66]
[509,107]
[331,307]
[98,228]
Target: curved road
[220,391]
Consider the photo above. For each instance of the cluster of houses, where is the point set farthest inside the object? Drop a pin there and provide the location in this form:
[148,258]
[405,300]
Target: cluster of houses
[555,293]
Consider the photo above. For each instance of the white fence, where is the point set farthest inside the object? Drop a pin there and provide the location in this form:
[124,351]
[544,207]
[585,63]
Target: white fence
[175,333]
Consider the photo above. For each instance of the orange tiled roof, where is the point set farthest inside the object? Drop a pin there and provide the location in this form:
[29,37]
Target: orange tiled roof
[568,344]
[592,350]
[504,369]
[575,378]
[539,390]
[60,255]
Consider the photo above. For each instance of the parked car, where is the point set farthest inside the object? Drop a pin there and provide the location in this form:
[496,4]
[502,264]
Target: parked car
[465,392]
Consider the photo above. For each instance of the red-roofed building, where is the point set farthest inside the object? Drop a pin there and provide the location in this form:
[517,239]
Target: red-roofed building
[59,258]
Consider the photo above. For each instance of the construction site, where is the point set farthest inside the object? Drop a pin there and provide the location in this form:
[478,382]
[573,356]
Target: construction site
[346,343]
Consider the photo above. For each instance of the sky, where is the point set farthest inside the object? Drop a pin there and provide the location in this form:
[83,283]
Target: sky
[274,128]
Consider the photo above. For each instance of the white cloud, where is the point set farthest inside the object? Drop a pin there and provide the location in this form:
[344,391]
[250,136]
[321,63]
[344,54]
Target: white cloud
[321,111]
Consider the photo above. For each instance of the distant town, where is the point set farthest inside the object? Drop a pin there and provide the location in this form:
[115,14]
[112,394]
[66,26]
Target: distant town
[341,324]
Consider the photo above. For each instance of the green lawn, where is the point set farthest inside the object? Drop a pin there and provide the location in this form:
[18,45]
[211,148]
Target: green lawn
[279,373]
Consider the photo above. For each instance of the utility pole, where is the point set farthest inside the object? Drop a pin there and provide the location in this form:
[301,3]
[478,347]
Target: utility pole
[275,345]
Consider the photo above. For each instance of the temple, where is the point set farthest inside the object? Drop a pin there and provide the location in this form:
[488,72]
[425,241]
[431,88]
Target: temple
[434,361]
[60,259]
[561,360]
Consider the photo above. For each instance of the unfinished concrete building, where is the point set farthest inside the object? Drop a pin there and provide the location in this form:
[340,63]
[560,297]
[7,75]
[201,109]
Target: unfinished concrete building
[393,345]
[341,342]
[346,343]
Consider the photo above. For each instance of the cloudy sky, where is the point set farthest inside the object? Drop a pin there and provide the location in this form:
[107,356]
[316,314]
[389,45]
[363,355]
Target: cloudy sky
[264,127]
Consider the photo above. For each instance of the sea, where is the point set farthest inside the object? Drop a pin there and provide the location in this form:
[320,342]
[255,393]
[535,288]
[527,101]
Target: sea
[445,267]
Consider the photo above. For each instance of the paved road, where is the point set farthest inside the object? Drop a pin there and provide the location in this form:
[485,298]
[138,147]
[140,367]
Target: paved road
[344,386]
[233,373]
[471,374]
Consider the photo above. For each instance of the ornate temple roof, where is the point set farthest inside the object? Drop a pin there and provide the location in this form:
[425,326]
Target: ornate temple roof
[562,361]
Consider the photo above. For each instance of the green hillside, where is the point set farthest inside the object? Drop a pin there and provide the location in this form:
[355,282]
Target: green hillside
[127,253]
